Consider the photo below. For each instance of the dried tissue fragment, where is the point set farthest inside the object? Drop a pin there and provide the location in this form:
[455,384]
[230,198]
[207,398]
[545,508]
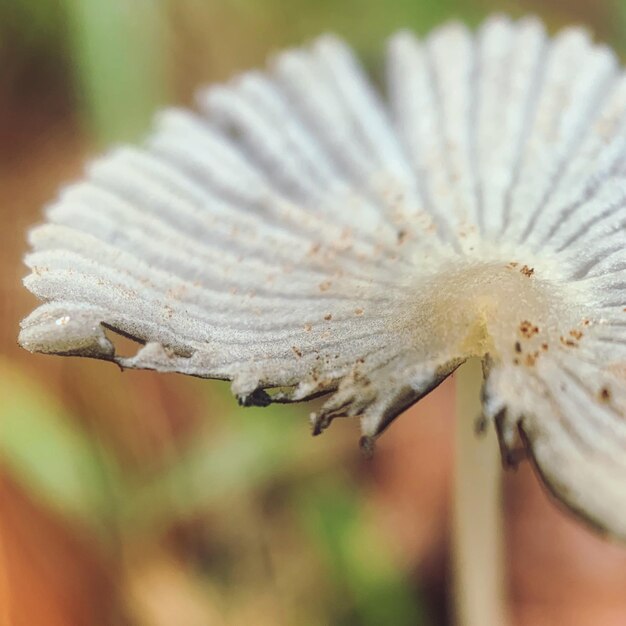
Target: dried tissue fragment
[302,231]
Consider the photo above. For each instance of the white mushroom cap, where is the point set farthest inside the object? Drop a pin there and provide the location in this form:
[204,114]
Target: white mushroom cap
[302,234]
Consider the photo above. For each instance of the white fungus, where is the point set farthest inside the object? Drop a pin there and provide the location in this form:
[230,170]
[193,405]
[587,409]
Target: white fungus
[303,235]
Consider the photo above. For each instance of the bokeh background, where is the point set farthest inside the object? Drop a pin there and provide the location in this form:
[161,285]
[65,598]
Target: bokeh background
[153,500]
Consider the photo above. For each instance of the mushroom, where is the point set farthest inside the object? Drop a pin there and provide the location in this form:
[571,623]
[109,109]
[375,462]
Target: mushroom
[301,236]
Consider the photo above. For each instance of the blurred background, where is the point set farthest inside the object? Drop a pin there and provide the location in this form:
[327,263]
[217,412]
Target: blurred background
[146,500]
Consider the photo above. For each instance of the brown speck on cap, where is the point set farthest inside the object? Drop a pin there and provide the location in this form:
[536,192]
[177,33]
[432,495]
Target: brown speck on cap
[527,271]
[358,311]
[512,265]
[568,342]
[328,317]
[528,329]
[577,334]
[605,394]
[325,286]
[518,347]
[544,346]
[297,351]
[402,235]
[308,327]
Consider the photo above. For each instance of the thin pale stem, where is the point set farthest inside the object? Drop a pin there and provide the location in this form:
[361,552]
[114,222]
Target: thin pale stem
[478,551]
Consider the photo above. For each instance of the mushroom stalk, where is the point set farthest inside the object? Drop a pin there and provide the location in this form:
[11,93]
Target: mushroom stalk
[478,551]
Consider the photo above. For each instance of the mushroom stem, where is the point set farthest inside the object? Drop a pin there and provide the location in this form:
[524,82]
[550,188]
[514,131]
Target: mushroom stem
[478,550]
